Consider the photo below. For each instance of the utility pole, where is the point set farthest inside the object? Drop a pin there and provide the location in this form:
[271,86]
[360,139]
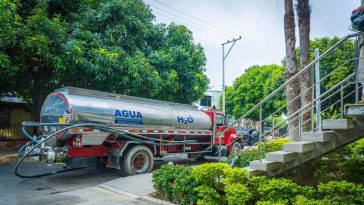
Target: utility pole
[223,67]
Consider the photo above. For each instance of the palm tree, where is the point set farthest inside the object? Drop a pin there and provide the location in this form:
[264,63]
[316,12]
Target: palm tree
[293,88]
[303,11]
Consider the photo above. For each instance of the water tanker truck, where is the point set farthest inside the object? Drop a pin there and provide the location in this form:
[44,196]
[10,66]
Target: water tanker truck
[86,128]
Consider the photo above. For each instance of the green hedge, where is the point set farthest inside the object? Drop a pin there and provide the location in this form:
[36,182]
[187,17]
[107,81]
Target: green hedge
[246,156]
[218,184]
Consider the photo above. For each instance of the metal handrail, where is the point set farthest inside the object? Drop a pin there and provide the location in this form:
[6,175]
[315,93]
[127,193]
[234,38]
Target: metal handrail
[307,107]
[280,88]
[309,88]
[319,98]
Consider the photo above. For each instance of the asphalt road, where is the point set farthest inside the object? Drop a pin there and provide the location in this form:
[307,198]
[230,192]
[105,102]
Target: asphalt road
[56,189]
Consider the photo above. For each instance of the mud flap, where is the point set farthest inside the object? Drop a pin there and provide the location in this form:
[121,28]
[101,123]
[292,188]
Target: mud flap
[113,160]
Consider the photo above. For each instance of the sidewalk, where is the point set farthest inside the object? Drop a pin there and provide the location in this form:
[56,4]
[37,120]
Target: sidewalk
[138,187]
[8,156]
[133,190]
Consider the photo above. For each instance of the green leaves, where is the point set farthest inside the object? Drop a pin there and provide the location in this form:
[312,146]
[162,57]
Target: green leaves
[116,43]
[251,87]
[112,46]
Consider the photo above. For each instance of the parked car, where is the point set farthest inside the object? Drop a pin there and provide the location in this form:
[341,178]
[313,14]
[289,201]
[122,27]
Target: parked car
[250,136]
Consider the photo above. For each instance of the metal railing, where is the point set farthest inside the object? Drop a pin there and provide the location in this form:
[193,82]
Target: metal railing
[346,90]
[12,132]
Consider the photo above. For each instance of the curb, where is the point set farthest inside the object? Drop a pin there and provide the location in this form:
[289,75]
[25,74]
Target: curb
[148,199]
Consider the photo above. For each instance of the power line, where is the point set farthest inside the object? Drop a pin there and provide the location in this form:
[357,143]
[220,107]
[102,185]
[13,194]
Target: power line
[267,53]
[201,20]
[188,20]
[253,50]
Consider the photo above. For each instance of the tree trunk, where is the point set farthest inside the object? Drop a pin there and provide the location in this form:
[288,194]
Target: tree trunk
[39,84]
[292,89]
[303,10]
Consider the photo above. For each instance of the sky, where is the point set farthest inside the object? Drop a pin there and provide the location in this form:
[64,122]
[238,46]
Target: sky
[258,22]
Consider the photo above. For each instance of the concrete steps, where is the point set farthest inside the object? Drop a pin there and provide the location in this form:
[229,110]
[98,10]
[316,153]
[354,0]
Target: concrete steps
[338,133]
[337,124]
[300,146]
[318,136]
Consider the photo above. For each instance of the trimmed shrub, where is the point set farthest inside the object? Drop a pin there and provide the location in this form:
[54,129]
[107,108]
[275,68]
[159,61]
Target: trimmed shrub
[342,191]
[271,203]
[255,182]
[301,200]
[235,175]
[183,187]
[237,194]
[208,196]
[353,169]
[281,190]
[211,174]
[164,181]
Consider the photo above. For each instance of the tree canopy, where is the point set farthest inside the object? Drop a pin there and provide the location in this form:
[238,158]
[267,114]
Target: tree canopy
[112,46]
[258,81]
[251,87]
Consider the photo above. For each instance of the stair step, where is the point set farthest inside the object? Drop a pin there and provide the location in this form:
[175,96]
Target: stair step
[318,136]
[254,172]
[280,156]
[337,124]
[264,165]
[354,109]
[300,146]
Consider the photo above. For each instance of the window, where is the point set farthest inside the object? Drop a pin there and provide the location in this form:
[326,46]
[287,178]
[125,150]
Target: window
[206,101]
[220,120]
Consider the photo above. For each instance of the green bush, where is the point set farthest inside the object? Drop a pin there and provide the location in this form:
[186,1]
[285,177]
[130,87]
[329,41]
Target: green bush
[164,181]
[271,203]
[342,191]
[281,190]
[254,183]
[301,200]
[353,169]
[246,156]
[235,175]
[211,174]
[208,196]
[237,194]
[183,187]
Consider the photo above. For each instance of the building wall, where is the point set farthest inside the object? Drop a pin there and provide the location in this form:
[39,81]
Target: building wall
[215,96]
[18,114]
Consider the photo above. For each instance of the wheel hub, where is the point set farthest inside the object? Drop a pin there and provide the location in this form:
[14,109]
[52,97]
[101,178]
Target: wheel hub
[139,161]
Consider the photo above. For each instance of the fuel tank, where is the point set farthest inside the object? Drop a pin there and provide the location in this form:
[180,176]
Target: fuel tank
[76,105]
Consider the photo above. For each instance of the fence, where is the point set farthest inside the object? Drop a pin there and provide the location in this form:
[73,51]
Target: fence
[12,132]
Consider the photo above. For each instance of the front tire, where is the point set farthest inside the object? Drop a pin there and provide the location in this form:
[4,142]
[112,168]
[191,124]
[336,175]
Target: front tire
[137,160]
[236,147]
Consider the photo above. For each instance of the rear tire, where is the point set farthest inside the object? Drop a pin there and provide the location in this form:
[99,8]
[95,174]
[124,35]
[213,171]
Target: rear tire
[137,160]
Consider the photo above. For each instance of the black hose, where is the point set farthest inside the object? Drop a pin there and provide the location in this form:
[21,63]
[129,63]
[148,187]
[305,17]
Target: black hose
[37,145]
[101,127]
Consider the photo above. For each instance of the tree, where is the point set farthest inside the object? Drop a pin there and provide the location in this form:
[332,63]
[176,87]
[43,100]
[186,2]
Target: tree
[9,22]
[110,46]
[303,11]
[293,88]
[251,87]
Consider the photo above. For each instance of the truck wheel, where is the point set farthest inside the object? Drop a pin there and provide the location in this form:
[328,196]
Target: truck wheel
[137,160]
[235,148]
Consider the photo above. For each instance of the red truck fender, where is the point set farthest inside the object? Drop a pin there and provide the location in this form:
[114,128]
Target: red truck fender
[231,138]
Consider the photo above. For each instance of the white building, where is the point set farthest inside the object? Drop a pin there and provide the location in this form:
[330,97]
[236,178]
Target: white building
[210,99]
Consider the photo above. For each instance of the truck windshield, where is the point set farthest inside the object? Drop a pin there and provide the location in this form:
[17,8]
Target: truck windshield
[220,120]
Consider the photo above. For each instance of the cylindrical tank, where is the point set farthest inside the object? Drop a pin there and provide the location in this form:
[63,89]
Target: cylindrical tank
[76,105]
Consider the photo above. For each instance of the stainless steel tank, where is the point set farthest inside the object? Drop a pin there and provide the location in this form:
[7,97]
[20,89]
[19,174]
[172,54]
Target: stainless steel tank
[76,105]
